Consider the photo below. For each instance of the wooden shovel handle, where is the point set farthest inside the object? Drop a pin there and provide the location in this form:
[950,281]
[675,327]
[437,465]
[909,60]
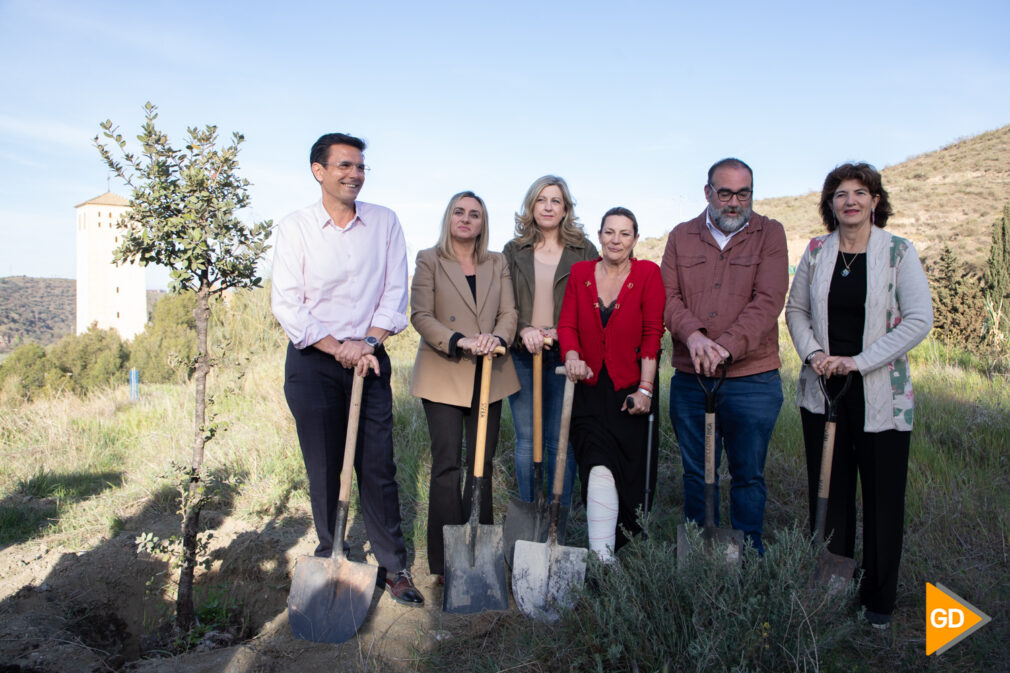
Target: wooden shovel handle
[351,442]
[538,402]
[485,394]
[538,407]
[824,486]
[566,419]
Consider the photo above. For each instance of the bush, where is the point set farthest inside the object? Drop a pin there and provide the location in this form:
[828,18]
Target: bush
[95,358]
[166,350]
[27,371]
[649,614]
[959,314]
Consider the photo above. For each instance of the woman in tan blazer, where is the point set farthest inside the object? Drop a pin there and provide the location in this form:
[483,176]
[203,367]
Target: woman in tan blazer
[462,306]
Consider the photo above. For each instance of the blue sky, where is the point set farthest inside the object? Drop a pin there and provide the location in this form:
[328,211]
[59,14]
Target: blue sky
[630,102]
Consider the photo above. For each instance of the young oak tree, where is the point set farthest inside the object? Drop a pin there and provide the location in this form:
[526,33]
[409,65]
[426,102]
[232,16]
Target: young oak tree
[182,216]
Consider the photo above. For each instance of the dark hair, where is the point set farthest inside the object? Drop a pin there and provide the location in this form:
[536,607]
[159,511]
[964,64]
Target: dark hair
[619,210]
[729,162]
[320,151]
[866,175]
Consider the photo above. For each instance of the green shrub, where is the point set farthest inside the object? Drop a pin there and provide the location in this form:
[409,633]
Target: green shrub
[26,372]
[95,358]
[166,350]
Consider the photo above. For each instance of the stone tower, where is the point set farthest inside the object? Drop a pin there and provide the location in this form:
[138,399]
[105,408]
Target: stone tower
[112,296]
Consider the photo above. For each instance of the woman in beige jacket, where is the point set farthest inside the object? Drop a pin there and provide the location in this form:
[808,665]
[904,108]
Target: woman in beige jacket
[462,305]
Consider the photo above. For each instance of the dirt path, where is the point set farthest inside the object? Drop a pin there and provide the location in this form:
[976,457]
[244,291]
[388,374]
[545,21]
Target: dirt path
[68,611]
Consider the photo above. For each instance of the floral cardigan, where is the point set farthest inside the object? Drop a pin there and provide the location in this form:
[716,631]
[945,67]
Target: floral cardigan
[899,314]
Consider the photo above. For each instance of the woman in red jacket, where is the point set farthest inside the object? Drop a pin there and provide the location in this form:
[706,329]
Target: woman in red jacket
[610,327]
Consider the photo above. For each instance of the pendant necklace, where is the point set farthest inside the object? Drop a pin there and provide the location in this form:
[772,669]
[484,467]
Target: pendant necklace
[848,263]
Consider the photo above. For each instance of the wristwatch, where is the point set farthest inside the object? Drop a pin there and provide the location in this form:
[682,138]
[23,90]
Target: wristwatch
[372,341]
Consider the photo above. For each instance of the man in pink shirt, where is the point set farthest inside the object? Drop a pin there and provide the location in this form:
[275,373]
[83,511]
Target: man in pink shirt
[339,290]
[726,274]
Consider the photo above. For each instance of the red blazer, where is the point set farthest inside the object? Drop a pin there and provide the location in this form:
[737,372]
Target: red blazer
[633,331]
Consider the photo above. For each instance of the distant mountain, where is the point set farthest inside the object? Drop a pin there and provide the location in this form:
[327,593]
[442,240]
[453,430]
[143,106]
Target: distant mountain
[42,310]
[35,309]
[952,195]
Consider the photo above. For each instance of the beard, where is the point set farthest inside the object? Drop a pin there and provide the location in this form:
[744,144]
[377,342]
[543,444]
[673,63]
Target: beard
[729,222]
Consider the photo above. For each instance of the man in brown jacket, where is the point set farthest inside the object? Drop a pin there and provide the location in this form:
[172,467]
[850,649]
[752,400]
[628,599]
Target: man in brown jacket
[726,275]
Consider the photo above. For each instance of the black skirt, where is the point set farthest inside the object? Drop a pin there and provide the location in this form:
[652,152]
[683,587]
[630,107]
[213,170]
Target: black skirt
[604,435]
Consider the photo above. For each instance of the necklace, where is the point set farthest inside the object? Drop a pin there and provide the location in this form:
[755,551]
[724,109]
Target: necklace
[848,262]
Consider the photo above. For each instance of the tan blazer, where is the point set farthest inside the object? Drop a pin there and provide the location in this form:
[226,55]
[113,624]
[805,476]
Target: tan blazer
[441,305]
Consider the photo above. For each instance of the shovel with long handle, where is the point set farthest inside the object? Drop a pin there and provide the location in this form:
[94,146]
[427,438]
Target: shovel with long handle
[330,597]
[831,568]
[530,520]
[545,574]
[475,552]
[730,541]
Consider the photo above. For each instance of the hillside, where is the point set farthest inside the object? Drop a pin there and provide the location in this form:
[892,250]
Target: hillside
[41,310]
[35,309]
[951,195]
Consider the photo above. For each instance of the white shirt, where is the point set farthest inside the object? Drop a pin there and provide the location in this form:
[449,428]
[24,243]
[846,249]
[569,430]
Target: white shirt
[720,236]
[339,282]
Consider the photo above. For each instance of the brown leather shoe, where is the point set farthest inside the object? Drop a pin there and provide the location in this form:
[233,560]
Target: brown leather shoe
[401,587]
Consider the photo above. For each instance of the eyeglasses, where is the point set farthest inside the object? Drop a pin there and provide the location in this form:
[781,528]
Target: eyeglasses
[347,166]
[742,195]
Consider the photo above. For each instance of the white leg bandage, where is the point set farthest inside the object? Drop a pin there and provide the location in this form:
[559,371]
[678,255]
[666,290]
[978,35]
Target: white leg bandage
[601,512]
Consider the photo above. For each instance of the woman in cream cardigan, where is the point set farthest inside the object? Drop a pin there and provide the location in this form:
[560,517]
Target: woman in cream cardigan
[858,303]
[462,306]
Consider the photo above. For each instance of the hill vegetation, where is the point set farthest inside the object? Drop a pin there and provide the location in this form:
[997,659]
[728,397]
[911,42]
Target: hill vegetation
[952,195]
[39,310]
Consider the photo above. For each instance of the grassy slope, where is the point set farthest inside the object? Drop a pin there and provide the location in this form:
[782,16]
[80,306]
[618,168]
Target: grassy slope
[951,195]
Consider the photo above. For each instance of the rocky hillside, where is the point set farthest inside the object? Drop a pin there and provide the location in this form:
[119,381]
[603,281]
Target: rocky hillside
[952,195]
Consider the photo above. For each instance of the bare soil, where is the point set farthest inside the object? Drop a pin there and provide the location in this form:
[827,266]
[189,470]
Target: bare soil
[104,609]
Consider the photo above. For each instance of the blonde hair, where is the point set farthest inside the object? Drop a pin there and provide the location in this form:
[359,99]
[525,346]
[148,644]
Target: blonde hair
[569,230]
[445,238]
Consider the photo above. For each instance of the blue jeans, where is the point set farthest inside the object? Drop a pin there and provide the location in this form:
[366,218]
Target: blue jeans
[746,410]
[521,404]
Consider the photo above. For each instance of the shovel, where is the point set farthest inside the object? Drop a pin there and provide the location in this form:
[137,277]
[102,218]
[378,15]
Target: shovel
[530,520]
[330,597]
[475,552]
[727,541]
[545,573]
[832,569]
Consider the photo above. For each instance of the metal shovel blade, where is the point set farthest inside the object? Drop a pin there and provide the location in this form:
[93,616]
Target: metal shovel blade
[545,576]
[833,570]
[329,598]
[474,569]
[528,521]
[726,542]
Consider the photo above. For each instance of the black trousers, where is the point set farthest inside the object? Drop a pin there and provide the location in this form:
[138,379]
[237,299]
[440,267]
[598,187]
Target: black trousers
[880,459]
[446,425]
[318,392]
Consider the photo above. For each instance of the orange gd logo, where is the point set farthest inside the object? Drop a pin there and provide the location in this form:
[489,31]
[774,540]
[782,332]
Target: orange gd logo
[949,619]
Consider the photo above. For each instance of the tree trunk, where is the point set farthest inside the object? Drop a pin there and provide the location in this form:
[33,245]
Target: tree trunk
[185,614]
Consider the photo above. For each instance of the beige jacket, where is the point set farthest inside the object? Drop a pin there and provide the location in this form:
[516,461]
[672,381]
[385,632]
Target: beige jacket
[899,314]
[441,304]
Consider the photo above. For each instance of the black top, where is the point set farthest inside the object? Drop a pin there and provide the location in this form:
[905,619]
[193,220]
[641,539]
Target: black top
[471,280]
[605,311]
[847,304]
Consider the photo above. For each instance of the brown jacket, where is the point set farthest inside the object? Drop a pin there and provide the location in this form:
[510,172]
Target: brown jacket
[733,296]
[441,304]
[520,262]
